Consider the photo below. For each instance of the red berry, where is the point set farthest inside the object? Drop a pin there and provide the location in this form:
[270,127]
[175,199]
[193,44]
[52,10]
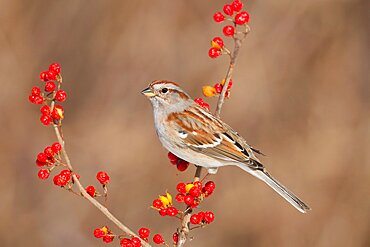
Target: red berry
[201,216]
[108,239]
[198,184]
[43,174]
[182,165]
[54,67]
[125,242]
[218,88]
[163,212]
[206,106]
[194,219]
[157,203]
[57,180]
[200,102]
[50,86]
[144,232]
[209,187]
[49,152]
[158,239]
[45,119]
[135,242]
[181,187]
[172,211]
[180,197]
[173,158]
[39,163]
[242,18]
[194,204]
[237,5]
[219,41]
[51,75]
[195,191]
[209,217]
[63,178]
[228,9]
[214,52]
[61,95]
[102,177]
[91,190]
[37,100]
[218,17]
[175,237]
[98,233]
[65,173]
[229,30]
[31,98]
[45,110]
[56,147]
[188,199]
[36,91]
[58,112]
[42,157]
[44,76]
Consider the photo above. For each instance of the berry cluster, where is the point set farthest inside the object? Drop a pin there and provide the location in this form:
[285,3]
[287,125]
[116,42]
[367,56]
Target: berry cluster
[133,242]
[164,205]
[233,13]
[50,112]
[180,164]
[202,218]
[217,47]
[104,233]
[191,194]
[51,158]
[210,91]
[203,104]
[128,241]
[63,178]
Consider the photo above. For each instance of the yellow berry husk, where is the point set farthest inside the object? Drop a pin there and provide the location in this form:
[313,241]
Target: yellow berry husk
[60,113]
[188,187]
[209,91]
[164,200]
[104,229]
[169,197]
[223,82]
[215,45]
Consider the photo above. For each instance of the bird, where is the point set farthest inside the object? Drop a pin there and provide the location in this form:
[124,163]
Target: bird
[194,134]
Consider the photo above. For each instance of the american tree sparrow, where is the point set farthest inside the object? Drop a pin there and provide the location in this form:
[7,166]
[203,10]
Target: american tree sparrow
[194,134]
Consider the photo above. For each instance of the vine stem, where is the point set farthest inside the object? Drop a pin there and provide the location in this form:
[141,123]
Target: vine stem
[94,202]
[183,232]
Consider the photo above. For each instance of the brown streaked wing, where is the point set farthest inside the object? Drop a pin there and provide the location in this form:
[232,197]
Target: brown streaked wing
[208,135]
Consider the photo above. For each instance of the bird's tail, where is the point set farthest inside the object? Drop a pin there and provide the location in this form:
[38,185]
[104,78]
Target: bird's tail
[278,187]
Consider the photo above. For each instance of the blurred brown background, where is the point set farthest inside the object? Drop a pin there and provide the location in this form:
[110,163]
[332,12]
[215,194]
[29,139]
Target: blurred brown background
[301,95]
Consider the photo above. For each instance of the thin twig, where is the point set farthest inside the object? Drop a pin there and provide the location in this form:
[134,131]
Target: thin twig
[94,202]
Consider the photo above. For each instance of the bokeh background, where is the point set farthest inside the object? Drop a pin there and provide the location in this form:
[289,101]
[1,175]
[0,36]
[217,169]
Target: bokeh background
[301,95]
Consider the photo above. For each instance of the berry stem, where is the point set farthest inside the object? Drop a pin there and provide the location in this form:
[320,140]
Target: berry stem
[237,44]
[94,202]
[183,232]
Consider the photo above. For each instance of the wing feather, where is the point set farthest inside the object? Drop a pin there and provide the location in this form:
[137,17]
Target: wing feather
[207,134]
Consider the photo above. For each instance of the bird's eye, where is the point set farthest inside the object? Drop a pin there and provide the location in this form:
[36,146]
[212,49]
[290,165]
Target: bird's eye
[164,90]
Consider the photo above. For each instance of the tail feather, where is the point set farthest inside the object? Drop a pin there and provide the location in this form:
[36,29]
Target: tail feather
[278,187]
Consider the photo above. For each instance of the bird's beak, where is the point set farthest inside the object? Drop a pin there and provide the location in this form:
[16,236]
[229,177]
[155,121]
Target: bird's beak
[148,92]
